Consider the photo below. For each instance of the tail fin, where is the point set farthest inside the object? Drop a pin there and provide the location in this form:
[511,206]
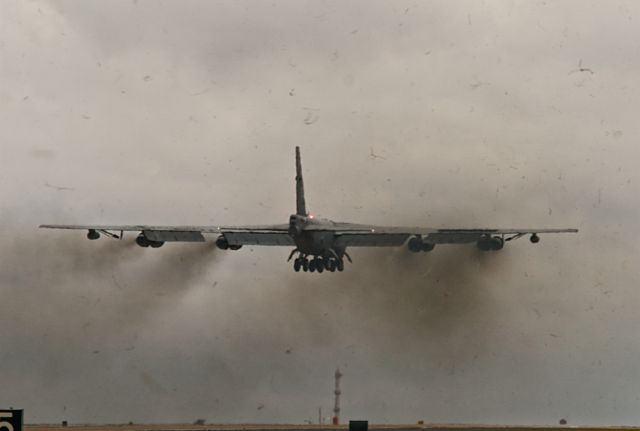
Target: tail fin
[301,208]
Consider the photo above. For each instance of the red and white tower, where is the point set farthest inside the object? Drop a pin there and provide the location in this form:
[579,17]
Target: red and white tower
[336,407]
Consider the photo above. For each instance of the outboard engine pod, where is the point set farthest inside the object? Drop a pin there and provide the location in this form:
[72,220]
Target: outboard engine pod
[93,234]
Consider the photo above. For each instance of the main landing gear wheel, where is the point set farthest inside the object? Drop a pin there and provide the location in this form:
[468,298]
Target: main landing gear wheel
[332,265]
[319,265]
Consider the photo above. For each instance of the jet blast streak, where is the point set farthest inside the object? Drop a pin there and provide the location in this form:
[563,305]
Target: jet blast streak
[318,244]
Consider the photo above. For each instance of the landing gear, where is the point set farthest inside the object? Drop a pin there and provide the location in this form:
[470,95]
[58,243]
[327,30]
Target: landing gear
[331,265]
[318,263]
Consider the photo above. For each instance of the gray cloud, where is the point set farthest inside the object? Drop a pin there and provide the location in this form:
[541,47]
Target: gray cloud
[188,112]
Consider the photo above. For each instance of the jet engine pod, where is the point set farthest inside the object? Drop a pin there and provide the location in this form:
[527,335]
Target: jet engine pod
[142,241]
[93,234]
[415,244]
[497,243]
[534,238]
[155,244]
[222,243]
[428,246]
[485,244]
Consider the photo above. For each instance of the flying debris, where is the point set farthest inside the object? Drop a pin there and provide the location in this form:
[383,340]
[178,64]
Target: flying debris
[318,244]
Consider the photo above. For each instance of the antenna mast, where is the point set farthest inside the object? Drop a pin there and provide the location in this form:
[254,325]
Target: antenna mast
[337,392]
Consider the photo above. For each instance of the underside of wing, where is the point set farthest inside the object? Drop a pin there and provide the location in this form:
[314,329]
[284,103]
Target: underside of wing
[351,239]
[357,235]
[350,235]
[463,236]
[235,235]
[256,237]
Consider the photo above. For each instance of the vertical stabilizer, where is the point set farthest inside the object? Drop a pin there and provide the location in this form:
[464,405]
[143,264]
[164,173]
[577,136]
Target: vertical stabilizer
[301,208]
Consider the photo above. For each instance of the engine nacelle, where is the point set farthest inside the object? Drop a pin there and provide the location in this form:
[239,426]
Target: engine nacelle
[491,243]
[222,243]
[155,244]
[484,244]
[415,244]
[142,241]
[497,243]
[235,247]
[428,246]
[93,234]
[534,238]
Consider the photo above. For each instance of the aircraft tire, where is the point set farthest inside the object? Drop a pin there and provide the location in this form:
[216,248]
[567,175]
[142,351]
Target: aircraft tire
[332,265]
[340,266]
[296,265]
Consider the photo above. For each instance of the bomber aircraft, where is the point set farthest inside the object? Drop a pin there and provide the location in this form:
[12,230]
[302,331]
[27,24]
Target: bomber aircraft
[319,244]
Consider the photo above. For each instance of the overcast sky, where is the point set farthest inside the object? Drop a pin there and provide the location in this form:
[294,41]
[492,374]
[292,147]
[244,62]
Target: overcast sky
[473,114]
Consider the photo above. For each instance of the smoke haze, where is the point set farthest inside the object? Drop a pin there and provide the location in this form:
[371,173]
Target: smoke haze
[477,114]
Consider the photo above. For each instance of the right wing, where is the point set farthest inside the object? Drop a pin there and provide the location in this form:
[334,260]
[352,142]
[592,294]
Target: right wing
[349,235]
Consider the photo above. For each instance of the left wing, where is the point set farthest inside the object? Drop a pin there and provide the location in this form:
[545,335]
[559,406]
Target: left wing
[235,235]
